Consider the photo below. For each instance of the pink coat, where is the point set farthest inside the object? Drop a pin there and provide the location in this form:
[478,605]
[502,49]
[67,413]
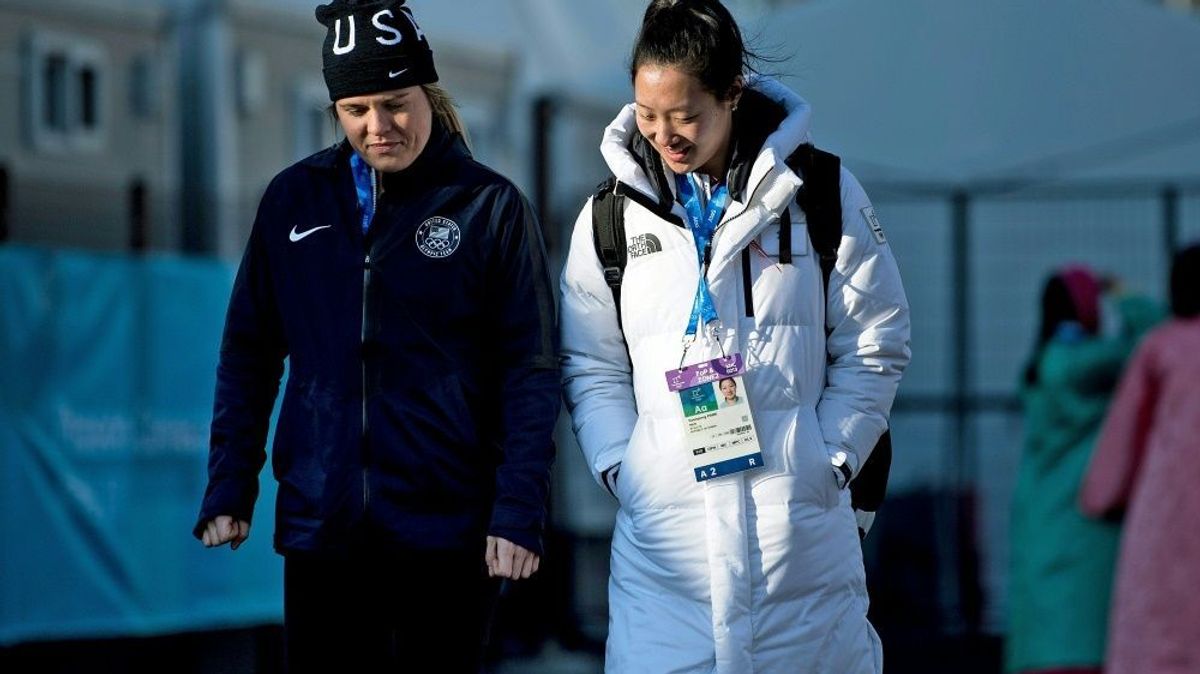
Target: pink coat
[1147,466]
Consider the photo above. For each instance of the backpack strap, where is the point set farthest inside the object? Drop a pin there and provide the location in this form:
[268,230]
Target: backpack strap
[821,199]
[608,237]
[785,238]
[870,485]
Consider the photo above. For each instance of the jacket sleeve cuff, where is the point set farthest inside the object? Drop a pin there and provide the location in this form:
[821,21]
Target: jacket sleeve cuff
[226,498]
[608,478]
[865,520]
[518,527]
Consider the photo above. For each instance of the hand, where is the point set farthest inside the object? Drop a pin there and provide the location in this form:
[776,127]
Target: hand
[509,560]
[223,529]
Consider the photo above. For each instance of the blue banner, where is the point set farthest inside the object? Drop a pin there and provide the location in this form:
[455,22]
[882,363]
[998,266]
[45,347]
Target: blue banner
[107,372]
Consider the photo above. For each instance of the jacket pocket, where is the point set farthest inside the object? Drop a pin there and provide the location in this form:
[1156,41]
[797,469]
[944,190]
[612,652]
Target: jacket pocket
[772,238]
[818,469]
[781,294]
[315,443]
[427,449]
[656,470]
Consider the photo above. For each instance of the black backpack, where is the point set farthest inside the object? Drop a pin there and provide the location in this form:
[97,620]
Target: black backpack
[820,199]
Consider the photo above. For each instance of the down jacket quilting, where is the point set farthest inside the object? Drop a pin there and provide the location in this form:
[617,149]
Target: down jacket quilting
[759,571]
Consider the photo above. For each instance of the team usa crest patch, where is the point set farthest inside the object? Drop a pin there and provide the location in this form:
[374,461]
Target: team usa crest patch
[438,237]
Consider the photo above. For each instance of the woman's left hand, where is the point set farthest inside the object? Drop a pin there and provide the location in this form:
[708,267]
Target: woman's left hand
[506,559]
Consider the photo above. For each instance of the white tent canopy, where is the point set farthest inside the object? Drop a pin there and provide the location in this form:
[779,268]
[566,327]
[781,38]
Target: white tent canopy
[923,90]
[571,46]
[946,90]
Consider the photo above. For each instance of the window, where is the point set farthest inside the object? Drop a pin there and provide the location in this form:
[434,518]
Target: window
[145,87]
[250,81]
[64,97]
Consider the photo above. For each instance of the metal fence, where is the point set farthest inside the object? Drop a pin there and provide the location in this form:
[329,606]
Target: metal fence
[973,261]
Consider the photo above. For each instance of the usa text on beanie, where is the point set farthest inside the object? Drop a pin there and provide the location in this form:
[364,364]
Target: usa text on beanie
[373,46]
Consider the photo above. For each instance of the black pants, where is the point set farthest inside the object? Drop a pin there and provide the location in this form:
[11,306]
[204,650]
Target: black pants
[416,611]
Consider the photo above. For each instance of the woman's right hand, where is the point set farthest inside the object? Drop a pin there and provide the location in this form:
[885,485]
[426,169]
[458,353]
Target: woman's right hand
[223,529]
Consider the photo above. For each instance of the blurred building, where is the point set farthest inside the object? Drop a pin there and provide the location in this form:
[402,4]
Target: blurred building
[256,102]
[159,124]
[89,144]
[1184,4]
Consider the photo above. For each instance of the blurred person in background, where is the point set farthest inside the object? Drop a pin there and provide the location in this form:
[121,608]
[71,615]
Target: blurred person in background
[407,286]
[761,570]
[1062,561]
[1145,472]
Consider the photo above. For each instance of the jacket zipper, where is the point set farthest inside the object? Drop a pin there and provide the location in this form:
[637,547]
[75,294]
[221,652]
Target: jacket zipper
[748,202]
[363,360]
[366,483]
[747,294]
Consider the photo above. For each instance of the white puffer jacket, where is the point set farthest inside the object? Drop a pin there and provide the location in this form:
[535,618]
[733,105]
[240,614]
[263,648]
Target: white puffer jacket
[759,571]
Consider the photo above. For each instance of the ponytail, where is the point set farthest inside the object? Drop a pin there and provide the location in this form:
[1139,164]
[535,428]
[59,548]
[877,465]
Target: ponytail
[698,37]
[444,110]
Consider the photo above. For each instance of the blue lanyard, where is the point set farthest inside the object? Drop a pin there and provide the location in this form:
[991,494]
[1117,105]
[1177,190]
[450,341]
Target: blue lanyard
[702,220]
[364,187]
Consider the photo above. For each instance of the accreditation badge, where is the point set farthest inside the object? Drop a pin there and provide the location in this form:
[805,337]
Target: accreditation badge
[719,428]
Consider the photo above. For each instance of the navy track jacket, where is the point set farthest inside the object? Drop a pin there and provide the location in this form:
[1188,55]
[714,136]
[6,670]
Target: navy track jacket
[423,384]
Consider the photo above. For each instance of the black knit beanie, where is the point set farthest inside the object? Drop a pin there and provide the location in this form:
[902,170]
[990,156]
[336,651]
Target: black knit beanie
[373,46]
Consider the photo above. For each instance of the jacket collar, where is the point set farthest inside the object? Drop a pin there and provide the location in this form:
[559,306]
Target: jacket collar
[442,150]
[331,157]
[771,123]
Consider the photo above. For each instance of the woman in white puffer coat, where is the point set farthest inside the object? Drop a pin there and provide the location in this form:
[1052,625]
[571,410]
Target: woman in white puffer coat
[761,570]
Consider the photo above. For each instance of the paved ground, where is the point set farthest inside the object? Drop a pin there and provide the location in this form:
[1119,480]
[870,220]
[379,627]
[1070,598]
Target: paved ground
[552,660]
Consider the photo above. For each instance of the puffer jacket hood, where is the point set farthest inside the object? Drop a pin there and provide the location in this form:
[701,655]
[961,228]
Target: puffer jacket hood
[770,119]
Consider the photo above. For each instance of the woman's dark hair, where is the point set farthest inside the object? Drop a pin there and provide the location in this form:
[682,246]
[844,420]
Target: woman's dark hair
[698,37]
[1057,308]
[1185,282]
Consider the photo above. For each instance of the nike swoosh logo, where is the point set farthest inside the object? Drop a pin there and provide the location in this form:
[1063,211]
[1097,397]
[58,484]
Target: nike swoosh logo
[396,73]
[296,236]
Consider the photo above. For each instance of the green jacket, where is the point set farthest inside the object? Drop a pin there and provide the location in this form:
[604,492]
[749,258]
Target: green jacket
[1062,562]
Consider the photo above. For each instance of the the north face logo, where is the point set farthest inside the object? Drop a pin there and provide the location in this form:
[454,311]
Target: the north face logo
[643,244]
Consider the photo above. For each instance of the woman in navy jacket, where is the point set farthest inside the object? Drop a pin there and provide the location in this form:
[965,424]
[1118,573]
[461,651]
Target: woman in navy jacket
[406,285]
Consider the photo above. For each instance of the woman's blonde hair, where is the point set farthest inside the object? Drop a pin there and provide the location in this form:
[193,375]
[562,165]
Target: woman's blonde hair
[445,111]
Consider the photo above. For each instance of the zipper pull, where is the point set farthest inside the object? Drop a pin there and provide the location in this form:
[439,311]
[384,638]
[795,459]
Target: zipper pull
[757,248]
